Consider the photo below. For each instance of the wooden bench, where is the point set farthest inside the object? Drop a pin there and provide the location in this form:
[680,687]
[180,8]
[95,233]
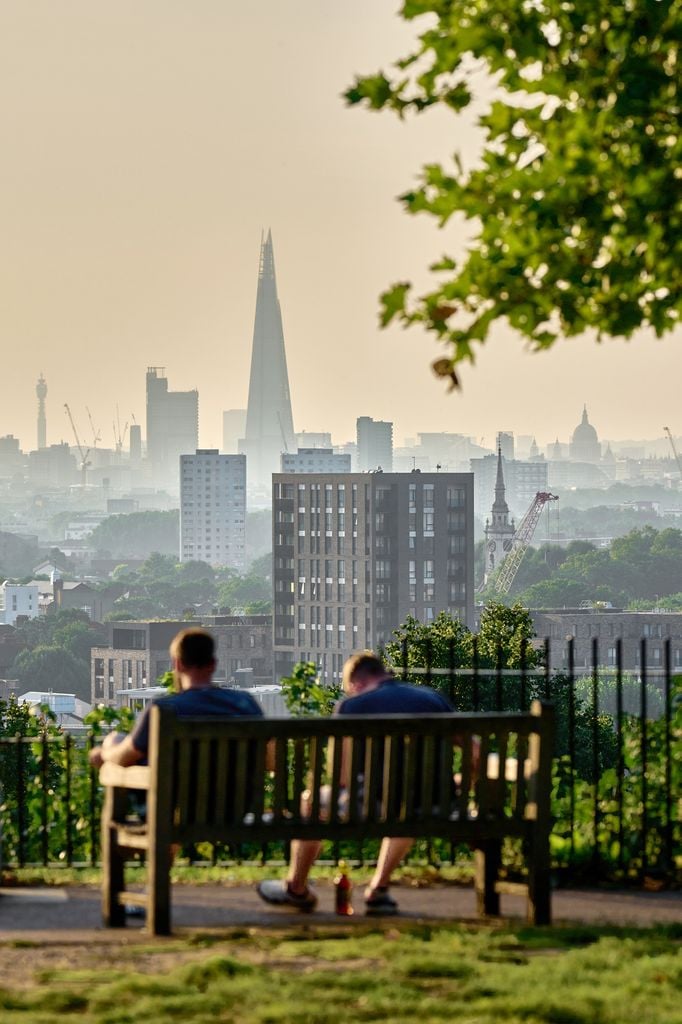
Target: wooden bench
[208,780]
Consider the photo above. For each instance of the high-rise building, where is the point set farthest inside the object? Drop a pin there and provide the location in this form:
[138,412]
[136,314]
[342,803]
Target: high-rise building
[375,444]
[234,423]
[135,443]
[355,554]
[505,443]
[499,529]
[213,508]
[269,422]
[41,392]
[172,427]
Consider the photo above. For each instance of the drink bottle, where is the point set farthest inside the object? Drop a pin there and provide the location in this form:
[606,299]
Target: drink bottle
[342,891]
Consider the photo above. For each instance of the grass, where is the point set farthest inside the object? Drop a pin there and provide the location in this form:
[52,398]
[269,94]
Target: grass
[229,874]
[472,974]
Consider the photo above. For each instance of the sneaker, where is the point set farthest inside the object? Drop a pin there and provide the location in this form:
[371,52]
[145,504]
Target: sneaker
[380,903]
[278,893]
[132,910]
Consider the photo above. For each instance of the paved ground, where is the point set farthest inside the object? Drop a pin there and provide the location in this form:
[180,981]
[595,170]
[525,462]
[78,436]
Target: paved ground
[72,915]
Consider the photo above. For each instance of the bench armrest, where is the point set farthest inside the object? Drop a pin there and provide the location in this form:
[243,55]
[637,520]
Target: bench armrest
[136,776]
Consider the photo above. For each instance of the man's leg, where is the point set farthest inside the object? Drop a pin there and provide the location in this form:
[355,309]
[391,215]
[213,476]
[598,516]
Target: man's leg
[304,853]
[390,855]
[294,891]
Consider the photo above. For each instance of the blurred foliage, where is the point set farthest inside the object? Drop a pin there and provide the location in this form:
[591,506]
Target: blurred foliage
[574,204]
[303,693]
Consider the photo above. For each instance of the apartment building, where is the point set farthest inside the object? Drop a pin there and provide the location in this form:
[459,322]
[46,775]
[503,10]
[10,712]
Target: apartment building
[213,508]
[355,554]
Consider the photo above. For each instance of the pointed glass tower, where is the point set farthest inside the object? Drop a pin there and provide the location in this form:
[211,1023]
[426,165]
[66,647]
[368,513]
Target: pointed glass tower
[269,423]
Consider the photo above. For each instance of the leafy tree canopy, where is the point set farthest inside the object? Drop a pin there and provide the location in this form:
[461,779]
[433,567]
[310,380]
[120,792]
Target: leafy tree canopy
[52,668]
[643,567]
[138,534]
[576,202]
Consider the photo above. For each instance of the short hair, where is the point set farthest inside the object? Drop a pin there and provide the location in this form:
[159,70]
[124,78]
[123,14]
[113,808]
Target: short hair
[365,663]
[195,648]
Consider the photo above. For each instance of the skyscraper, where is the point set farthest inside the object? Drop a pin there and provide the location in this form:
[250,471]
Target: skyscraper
[41,392]
[375,444]
[172,428]
[269,423]
[213,508]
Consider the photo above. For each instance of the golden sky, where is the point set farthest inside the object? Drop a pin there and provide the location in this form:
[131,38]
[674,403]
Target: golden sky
[145,145]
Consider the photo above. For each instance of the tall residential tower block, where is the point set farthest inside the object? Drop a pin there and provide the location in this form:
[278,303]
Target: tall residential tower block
[355,553]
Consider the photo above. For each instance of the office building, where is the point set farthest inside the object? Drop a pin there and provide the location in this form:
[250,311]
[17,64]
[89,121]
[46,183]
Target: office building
[269,422]
[315,460]
[505,444]
[135,443]
[375,444]
[234,424]
[124,673]
[213,508]
[172,428]
[606,625]
[355,554]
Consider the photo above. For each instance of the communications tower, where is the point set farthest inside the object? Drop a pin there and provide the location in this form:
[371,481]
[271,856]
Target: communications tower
[41,392]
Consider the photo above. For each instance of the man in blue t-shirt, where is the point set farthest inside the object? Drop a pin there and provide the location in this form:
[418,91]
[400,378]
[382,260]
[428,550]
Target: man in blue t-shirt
[193,657]
[372,690]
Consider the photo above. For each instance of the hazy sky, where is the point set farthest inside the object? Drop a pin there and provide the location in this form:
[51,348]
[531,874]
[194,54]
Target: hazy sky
[147,142]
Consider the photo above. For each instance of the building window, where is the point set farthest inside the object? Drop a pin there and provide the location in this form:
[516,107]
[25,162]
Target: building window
[428,521]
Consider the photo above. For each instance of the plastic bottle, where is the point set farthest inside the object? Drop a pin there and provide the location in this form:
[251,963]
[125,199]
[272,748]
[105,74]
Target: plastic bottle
[343,888]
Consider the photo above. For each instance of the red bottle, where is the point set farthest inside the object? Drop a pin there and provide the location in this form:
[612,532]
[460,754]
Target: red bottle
[343,888]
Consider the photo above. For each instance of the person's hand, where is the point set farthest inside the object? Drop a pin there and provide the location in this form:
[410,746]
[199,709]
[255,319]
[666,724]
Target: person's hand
[95,757]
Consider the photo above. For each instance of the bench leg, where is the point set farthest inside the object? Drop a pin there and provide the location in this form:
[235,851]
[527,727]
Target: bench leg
[113,862]
[539,892]
[158,888]
[487,866]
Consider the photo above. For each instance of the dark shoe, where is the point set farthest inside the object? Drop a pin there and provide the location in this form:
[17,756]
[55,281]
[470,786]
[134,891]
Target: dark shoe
[131,910]
[278,894]
[380,903]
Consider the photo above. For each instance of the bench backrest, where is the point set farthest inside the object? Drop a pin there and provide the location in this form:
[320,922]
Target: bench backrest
[211,778]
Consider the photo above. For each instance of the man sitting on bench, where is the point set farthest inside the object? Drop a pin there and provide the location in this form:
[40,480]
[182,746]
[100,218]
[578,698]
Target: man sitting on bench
[372,690]
[192,654]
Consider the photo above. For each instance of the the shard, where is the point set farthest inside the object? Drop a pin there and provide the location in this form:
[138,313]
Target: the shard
[269,423]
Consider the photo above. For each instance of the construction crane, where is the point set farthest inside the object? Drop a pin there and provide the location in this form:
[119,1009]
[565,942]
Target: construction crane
[521,541]
[674,448]
[120,436]
[96,436]
[83,454]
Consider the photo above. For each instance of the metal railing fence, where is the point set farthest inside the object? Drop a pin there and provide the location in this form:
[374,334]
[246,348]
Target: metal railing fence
[617,787]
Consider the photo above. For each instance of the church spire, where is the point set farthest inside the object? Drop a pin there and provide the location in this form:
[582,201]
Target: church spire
[500,503]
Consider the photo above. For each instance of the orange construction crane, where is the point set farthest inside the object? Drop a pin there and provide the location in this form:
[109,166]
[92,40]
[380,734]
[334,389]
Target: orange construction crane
[521,541]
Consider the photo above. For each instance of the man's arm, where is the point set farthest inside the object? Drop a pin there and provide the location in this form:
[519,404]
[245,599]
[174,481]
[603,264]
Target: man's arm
[116,748]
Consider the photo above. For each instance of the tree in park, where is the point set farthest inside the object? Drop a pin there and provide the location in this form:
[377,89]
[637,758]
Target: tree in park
[576,201]
[505,635]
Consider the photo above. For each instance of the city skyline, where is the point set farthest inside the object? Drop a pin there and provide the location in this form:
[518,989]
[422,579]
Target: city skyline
[135,189]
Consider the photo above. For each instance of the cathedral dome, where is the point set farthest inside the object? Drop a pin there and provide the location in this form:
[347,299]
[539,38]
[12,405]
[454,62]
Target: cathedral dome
[585,445]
